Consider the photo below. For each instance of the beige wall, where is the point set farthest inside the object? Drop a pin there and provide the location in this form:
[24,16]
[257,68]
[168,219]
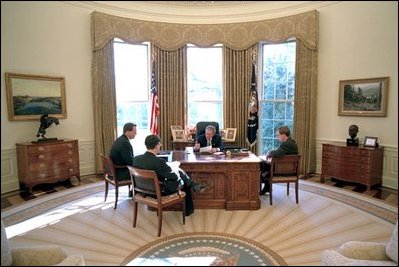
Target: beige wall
[357,40]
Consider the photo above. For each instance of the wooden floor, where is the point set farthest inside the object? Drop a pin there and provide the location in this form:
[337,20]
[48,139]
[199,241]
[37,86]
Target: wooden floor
[16,197]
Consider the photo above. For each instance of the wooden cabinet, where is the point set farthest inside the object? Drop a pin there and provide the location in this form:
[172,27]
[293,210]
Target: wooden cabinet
[47,162]
[353,163]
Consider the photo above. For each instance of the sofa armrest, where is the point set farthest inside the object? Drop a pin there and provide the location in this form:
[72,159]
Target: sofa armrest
[39,255]
[335,258]
[364,250]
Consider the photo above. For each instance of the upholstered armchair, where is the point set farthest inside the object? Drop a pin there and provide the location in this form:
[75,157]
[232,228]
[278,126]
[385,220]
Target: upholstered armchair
[36,256]
[356,253]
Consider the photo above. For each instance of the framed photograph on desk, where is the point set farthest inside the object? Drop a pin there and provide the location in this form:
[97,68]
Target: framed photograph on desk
[223,134]
[179,135]
[231,134]
[370,141]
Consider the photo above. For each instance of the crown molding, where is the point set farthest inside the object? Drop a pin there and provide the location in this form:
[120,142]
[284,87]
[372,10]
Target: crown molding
[201,12]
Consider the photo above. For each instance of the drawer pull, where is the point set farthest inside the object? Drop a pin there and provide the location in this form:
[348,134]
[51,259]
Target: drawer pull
[70,152]
[69,145]
[40,148]
[71,170]
[70,160]
[42,166]
[41,156]
[42,175]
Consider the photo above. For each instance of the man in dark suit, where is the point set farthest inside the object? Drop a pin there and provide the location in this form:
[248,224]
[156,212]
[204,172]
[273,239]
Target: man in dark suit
[172,181]
[210,138]
[121,152]
[288,146]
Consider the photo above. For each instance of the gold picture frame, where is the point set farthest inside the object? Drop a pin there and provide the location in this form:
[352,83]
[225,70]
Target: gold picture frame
[231,134]
[363,97]
[31,96]
[223,134]
[179,135]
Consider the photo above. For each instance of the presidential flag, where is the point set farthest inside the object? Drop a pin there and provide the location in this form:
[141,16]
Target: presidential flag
[252,126]
[154,102]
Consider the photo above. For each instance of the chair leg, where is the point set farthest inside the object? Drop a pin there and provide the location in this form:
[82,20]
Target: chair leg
[116,196]
[106,191]
[135,213]
[183,208]
[296,191]
[159,222]
[288,189]
[271,193]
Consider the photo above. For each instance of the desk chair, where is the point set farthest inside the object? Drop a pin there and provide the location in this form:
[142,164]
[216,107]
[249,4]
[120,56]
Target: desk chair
[147,190]
[201,125]
[284,169]
[110,177]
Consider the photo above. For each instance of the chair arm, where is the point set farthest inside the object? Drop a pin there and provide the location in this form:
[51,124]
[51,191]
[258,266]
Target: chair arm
[364,250]
[335,258]
[39,255]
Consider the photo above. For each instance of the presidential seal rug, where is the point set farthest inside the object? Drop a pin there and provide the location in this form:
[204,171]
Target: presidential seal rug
[204,249]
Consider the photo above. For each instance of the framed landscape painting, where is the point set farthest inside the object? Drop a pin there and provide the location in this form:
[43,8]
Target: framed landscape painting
[31,96]
[363,97]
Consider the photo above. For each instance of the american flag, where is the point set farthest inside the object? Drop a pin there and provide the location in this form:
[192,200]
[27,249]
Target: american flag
[154,102]
[252,126]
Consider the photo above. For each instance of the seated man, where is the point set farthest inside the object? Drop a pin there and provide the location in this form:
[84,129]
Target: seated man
[210,138]
[288,146]
[121,152]
[172,182]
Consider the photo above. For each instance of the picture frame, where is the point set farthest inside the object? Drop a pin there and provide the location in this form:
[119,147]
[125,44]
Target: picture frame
[363,97]
[223,134]
[179,135]
[31,96]
[176,127]
[370,141]
[231,134]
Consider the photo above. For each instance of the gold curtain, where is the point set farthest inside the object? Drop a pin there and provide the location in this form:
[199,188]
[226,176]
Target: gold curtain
[172,36]
[171,81]
[104,101]
[305,106]
[237,80]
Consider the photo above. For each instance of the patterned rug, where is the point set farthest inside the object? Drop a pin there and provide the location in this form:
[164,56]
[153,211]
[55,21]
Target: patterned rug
[204,249]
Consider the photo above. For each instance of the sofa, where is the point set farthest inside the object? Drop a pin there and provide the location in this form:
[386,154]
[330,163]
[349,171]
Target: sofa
[46,255]
[357,253]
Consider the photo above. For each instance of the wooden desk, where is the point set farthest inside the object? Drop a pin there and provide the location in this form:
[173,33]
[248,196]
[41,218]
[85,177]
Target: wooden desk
[181,145]
[352,163]
[233,183]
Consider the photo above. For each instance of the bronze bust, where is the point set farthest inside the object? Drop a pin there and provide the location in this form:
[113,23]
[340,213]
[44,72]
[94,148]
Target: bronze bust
[353,141]
[45,122]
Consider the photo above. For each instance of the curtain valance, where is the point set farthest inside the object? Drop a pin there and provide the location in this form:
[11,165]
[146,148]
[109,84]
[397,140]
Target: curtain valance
[237,36]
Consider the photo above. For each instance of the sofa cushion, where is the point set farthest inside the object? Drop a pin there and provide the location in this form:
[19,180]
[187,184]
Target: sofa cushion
[6,258]
[391,248]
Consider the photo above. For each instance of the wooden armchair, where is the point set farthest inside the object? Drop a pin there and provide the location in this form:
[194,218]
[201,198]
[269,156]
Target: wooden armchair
[147,190]
[284,169]
[110,177]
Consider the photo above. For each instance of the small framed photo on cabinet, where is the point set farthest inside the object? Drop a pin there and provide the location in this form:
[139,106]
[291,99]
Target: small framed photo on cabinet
[370,141]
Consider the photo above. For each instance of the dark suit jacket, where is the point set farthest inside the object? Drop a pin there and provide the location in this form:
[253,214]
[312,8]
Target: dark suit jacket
[288,147]
[148,161]
[121,153]
[216,141]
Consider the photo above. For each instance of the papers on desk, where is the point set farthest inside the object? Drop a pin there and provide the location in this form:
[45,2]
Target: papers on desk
[175,166]
[206,149]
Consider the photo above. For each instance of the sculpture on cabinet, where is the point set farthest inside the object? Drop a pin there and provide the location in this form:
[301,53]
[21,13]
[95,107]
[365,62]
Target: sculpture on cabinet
[46,122]
[353,141]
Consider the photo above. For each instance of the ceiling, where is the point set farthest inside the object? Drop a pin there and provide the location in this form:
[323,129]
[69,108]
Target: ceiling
[201,12]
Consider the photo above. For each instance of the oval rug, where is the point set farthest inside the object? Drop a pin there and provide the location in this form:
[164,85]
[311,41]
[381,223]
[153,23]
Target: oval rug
[204,249]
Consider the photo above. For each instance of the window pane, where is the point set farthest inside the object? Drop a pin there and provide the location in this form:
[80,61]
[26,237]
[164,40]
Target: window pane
[205,88]
[132,90]
[277,102]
